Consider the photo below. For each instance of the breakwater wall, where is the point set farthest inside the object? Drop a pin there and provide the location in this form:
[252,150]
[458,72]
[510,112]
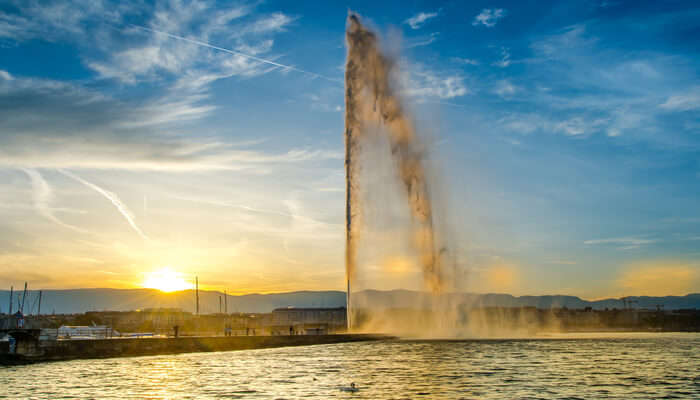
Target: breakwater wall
[105,348]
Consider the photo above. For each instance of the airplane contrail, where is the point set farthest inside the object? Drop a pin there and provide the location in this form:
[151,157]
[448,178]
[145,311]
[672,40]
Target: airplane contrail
[42,195]
[121,207]
[262,60]
[238,53]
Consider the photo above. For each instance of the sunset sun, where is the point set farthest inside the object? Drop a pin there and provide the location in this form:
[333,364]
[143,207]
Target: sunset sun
[166,280]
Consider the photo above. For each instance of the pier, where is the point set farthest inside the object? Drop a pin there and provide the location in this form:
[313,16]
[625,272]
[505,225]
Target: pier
[32,349]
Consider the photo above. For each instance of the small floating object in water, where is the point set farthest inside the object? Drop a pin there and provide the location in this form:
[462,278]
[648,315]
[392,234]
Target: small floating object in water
[352,388]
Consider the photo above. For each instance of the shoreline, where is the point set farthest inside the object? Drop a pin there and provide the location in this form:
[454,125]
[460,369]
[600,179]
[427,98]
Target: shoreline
[64,350]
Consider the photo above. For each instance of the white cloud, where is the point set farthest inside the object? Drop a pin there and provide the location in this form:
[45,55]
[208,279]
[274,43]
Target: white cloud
[418,20]
[5,75]
[489,17]
[144,62]
[421,82]
[625,243]
[684,101]
[263,46]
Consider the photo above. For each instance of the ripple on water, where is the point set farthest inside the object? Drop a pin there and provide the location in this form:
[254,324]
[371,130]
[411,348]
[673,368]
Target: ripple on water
[650,366]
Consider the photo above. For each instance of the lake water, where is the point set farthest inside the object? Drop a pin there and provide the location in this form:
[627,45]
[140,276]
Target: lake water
[619,366]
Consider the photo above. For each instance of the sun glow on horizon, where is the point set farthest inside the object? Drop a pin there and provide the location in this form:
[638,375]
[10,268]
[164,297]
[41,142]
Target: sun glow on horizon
[166,280]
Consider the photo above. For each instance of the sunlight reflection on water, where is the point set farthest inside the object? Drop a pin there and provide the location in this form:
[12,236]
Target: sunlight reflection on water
[619,366]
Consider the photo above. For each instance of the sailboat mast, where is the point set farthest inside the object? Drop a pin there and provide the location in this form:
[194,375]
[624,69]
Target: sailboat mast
[24,296]
[196,293]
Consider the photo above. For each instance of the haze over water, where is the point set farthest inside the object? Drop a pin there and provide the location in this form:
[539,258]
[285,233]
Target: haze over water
[614,366]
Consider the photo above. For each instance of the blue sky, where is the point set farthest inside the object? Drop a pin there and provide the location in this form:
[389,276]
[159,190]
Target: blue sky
[567,136]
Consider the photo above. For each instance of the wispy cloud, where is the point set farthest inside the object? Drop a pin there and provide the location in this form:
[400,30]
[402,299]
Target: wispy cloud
[294,222]
[42,196]
[53,20]
[237,53]
[505,88]
[121,207]
[489,17]
[625,97]
[572,127]
[151,135]
[176,43]
[45,122]
[465,61]
[684,101]
[421,40]
[418,20]
[276,22]
[504,61]
[562,44]
[421,82]
[625,243]
[323,102]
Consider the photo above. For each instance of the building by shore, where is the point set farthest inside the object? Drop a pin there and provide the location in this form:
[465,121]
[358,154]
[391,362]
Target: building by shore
[173,321]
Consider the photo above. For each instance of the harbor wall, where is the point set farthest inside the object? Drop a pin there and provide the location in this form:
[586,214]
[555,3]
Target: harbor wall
[131,347]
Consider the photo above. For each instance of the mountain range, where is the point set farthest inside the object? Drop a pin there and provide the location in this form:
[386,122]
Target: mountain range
[82,300]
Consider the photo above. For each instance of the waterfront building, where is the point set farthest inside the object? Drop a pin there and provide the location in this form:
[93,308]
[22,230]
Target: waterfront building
[307,321]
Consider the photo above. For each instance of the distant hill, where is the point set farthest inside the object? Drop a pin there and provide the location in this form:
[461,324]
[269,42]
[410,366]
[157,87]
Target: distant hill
[407,298]
[81,300]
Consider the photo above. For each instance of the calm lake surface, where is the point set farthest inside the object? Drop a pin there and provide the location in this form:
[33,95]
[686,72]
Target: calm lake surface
[619,366]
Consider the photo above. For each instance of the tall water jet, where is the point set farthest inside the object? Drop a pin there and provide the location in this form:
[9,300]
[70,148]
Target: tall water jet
[374,107]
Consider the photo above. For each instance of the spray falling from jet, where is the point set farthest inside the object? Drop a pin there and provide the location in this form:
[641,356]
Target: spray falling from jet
[371,101]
